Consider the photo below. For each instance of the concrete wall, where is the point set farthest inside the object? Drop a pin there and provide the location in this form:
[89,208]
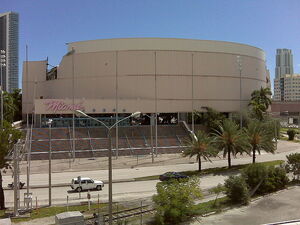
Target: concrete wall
[187,72]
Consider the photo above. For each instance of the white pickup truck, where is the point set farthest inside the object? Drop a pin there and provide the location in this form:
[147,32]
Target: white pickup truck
[86,183]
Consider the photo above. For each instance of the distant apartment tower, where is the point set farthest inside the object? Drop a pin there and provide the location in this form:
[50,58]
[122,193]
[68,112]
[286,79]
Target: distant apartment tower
[9,42]
[284,62]
[287,88]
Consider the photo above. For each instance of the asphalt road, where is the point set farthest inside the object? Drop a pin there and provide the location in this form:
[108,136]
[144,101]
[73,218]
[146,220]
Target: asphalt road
[130,190]
[124,191]
[121,192]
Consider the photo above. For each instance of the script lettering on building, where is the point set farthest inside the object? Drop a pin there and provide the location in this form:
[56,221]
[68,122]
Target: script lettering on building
[57,105]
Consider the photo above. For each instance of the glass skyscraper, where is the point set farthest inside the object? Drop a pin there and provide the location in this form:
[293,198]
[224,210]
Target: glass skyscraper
[9,42]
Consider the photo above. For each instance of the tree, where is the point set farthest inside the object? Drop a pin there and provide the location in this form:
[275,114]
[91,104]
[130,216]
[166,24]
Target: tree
[293,164]
[237,190]
[263,179]
[12,105]
[17,100]
[260,102]
[8,137]
[291,133]
[217,191]
[258,110]
[211,118]
[201,146]
[260,138]
[9,107]
[231,140]
[174,200]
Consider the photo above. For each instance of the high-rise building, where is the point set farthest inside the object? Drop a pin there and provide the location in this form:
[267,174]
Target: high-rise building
[284,62]
[9,47]
[287,88]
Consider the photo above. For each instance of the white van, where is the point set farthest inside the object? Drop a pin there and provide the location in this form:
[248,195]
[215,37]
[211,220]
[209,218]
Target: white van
[86,183]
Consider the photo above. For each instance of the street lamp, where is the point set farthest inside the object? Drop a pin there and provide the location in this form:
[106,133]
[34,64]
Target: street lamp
[50,157]
[275,129]
[82,114]
[152,150]
[240,71]
[2,64]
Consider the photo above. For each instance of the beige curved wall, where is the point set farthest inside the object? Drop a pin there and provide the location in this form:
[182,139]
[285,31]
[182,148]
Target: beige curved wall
[205,71]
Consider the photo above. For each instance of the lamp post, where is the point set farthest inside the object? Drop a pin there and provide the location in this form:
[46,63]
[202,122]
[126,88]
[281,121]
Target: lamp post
[152,150]
[50,157]
[275,129]
[240,70]
[136,114]
[2,64]
[193,121]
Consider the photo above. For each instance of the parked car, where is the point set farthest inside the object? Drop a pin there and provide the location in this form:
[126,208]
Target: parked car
[172,175]
[86,183]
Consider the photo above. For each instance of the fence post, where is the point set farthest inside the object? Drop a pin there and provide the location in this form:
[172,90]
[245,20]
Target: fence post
[142,212]
[36,203]
[99,209]
[89,199]
[117,213]
[67,202]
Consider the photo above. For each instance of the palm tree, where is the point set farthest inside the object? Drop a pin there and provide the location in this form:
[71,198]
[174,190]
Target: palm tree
[258,109]
[202,145]
[265,96]
[211,118]
[231,140]
[260,101]
[260,138]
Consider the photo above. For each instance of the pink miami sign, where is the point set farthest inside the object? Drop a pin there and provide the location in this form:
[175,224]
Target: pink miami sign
[58,105]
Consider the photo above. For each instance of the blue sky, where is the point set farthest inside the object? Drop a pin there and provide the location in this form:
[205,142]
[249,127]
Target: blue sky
[46,25]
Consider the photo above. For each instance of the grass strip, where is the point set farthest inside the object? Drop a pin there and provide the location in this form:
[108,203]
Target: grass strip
[52,211]
[211,206]
[214,171]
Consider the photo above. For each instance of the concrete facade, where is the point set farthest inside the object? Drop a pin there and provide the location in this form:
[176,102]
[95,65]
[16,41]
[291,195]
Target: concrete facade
[287,88]
[147,75]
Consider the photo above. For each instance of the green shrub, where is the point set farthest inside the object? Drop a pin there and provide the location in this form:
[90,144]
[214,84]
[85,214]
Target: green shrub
[254,175]
[275,181]
[262,179]
[236,189]
[217,191]
[174,200]
[291,133]
[293,164]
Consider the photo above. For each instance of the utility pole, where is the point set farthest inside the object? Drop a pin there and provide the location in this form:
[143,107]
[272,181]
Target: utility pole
[155,78]
[27,89]
[73,102]
[193,122]
[240,70]
[29,133]
[117,108]
[50,158]
[16,179]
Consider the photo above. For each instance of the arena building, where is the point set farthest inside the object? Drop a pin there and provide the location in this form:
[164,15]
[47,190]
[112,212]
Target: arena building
[110,79]
[151,75]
